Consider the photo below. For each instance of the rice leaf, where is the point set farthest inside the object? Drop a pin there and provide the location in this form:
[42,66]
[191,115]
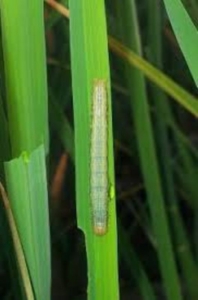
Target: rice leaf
[89,53]
[186,34]
[18,247]
[27,191]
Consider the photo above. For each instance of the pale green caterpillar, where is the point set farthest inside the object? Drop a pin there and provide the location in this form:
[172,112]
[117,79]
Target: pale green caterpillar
[99,164]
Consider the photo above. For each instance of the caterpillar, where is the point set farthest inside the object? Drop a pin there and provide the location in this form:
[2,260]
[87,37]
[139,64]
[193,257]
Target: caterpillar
[99,163]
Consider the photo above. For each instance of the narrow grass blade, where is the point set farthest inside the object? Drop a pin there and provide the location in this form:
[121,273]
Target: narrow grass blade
[147,152]
[182,246]
[189,102]
[18,247]
[22,24]
[25,72]
[89,53]
[186,33]
[57,6]
[26,183]
[135,266]
[184,98]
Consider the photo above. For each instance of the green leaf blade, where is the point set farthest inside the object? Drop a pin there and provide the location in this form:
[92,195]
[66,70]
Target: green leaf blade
[29,201]
[185,32]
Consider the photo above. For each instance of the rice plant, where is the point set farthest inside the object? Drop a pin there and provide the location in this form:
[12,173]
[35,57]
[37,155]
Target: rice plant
[98,149]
